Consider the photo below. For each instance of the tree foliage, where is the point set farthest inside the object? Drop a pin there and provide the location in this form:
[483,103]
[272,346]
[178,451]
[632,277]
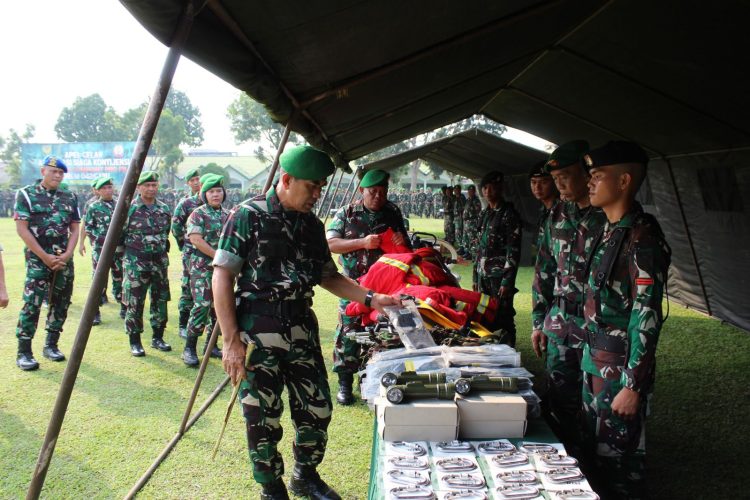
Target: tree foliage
[88,119]
[10,151]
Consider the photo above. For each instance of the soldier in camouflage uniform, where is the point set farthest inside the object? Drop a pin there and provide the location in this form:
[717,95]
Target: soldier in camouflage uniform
[459,202]
[498,254]
[627,272]
[421,200]
[47,221]
[95,226]
[203,230]
[448,227]
[179,221]
[472,209]
[557,294]
[543,189]
[276,249]
[353,233]
[145,243]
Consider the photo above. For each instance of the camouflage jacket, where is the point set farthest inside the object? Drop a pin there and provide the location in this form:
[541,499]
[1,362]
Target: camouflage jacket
[206,221]
[448,203]
[96,220]
[49,214]
[566,242]
[499,245]
[179,221]
[472,209]
[623,306]
[542,221]
[355,221]
[277,254]
[146,230]
[459,202]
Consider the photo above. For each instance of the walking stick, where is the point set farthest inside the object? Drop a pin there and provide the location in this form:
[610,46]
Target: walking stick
[52,286]
[250,349]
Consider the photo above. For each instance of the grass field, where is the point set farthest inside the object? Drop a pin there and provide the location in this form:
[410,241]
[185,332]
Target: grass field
[124,410]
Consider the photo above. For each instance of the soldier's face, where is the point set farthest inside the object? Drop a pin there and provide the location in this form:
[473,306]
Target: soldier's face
[606,186]
[492,191]
[148,191]
[303,193]
[194,183]
[543,188]
[215,196]
[106,192]
[52,177]
[471,193]
[571,181]
[374,197]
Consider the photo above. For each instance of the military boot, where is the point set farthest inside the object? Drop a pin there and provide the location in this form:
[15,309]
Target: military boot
[25,359]
[306,482]
[157,341]
[183,323]
[136,348]
[189,356]
[215,352]
[50,350]
[345,396]
[97,318]
[274,491]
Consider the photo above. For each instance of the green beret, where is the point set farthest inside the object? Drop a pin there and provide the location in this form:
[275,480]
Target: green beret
[148,176]
[101,182]
[209,181]
[538,170]
[615,153]
[307,163]
[566,155]
[192,173]
[375,177]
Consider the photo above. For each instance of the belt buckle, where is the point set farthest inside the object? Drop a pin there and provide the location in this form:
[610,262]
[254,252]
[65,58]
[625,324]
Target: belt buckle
[411,478]
[464,481]
[455,464]
[455,446]
[495,447]
[412,492]
[415,449]
[408,463]
[517,492]
[564,475]
[510,459]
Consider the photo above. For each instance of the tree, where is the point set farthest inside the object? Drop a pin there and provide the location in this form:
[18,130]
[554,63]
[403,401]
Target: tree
[250,122]
[88,119]
[170,133]
[179,104]
[10,151]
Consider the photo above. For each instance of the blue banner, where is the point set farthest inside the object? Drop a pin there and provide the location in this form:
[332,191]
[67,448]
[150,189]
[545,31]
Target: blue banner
[85,160]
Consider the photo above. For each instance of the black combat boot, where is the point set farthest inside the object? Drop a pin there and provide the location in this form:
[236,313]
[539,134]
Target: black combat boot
[306,482]
[97,319]
[103,300]
[274,491]
[189,356]
[25,359]
[345,396]
[136,348]
[183,323]
[123,310]
[215,352]
[157,341]
[50,350]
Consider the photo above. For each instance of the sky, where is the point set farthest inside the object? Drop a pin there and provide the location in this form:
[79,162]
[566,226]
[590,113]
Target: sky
[54,51]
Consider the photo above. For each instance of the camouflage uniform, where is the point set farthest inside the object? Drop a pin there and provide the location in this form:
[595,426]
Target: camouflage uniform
[448,227]
[623,320]
[557,295]
[419,202]
[429,205]
[496,264]
[207,222]
[472,211]
[49,215]
[179,221]
[351,222]
[96,223]
[145,241]
[459,202]
[279,256]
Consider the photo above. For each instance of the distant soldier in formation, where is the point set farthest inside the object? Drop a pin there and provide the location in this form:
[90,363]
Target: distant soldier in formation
[437,204]
[448,227]
[459,202]
[47,220]
[203,230]
[472,209]
[429,206]
[145,242]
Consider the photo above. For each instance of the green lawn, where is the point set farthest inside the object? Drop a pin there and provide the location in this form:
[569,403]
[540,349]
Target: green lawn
[124,410]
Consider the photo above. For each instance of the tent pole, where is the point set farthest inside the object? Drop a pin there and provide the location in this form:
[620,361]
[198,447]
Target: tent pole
[324,200]
[689,236]
[199,378]
[275,166]
[333,197]
[354,192]
[143,142]
[351,183]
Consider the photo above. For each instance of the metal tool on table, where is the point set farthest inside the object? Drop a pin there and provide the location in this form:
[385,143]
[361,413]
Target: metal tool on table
[465,495]
[412,493]
[484,383]
[463,481]
[408,477]
[455,447]
[576,494]
[248,352]
[517,492]
[510,459]
[557,460]
[533,448]
[517,477]
[390,379]
[408,463]
[564,475]
[417,390]
[455,464]
[415,449]
[490,447]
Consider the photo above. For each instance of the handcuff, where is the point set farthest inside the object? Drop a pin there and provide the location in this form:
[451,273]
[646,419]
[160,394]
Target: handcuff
[454,446]
[517,477]
[465,495]
[576,494]
[517,492]
[510,459]
[564,475]
[411,478]
[538,448]
[464,481]
[408,463]
[413,448]
[557,460]
[412,492]
[455,464]
[495,447]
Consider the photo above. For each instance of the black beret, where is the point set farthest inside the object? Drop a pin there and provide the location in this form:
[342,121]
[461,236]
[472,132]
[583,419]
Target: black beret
[615,153]
[493,177]
[538,170]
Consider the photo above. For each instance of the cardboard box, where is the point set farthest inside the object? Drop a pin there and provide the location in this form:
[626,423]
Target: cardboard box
[420,420]
[488,429]
[491,416]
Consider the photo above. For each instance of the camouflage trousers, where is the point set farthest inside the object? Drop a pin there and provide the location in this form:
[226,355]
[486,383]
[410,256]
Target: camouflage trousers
[449,229]
[202,314]
[458,231]
[347,352]
[36,290]
[619,446]
[504,318]
[470,236]
[186,297]
[287,354]
[140,278]
[116,271]
[563,398]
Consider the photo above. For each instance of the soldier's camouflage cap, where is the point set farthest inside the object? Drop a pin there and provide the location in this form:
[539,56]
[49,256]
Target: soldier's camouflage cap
[494,177]
[566,155]
[306,162]
[54,161]
[210,181]
[148,176]
[101,182]
[375,177]
[192,173]
[615,153]
[538,170]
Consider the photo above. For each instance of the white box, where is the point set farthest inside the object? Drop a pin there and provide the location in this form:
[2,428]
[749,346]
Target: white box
[420,420]
[491,416]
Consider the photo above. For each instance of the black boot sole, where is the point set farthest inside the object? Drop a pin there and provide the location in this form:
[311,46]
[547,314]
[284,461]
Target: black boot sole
[28,368]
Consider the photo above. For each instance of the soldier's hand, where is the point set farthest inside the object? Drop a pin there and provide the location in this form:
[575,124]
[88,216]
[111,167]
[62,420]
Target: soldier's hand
[372,242]
[626,404]
[380,300]
[51,261]
[82,250]
[65,257]
[233,360]
[4,299]
[538,342]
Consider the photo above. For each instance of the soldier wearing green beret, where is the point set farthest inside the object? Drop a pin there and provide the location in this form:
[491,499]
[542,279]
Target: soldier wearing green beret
[95,225]
[543,189]
[276,249]
[354,233]
[47,221]
[145,243]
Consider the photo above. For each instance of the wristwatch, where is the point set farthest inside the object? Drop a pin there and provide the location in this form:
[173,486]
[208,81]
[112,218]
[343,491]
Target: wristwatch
[368,298]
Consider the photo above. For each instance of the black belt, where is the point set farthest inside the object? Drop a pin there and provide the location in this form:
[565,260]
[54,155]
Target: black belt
[140,254]
[279,308]
[572,308]
[603,342]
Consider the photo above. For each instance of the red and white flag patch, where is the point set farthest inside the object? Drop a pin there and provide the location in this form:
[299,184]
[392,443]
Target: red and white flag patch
[644,281]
